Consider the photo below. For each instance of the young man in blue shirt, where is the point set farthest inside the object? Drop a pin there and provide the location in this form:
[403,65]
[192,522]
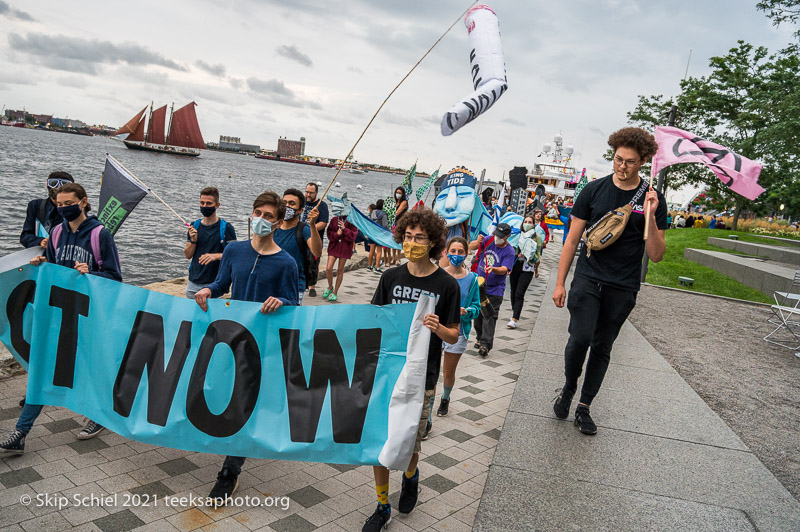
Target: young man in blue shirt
[287,236]
[205,241]
[255,270]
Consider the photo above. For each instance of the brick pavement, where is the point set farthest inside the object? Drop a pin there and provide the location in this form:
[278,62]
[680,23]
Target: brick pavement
[454,464]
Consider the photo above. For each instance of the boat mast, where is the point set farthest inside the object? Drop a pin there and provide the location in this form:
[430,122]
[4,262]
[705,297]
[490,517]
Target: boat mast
[150,122]
[169,129]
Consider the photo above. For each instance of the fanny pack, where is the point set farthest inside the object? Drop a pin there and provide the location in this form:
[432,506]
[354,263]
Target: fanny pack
[609,228]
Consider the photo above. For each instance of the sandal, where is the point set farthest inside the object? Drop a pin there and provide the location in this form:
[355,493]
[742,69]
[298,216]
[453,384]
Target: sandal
[326,293]
[332,297]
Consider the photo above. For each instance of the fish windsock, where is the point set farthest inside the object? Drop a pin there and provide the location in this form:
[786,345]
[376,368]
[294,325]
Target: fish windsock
[487,67]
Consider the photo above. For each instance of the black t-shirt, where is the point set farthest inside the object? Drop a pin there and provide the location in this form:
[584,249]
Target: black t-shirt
[620,264]
[208,241]
[397,285]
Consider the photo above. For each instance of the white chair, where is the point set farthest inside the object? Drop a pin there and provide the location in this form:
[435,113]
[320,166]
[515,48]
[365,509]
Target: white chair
[788,319]
[792,297]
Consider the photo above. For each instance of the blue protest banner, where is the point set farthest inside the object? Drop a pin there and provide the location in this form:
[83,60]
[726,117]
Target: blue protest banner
[336,384]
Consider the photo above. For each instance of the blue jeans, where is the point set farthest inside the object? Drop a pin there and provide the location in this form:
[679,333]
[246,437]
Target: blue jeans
[28,417]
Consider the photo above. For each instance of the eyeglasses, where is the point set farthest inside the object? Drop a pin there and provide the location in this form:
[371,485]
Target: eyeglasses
[57,183]
[620,162]
[419,239]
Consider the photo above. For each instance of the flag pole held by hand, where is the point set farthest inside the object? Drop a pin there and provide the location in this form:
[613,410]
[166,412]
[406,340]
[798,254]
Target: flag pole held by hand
[647,214]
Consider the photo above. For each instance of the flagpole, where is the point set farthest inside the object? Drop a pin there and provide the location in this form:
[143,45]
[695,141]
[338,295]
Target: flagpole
[149,190]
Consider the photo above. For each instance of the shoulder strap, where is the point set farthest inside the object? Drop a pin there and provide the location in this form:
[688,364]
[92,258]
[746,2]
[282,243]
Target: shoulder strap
[222,226]
[95,241]
[298,235]
[43,212]
[55,234]
[196,224]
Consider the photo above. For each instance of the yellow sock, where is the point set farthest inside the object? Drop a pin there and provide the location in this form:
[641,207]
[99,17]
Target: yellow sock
[383,493]
[410,474]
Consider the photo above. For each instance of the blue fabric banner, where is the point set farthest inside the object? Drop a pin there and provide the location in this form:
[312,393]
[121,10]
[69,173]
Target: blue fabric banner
[336,384]
[372,230]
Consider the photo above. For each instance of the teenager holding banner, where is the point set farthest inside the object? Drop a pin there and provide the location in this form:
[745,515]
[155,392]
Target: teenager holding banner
[80,242]
[43,213]
[255,270]
[205,241]
[606,281]
[422,234]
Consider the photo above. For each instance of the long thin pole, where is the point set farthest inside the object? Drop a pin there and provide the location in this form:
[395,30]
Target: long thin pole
[151,191]
[390,95]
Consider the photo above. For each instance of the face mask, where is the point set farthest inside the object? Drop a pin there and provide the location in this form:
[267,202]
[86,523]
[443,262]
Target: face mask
[207,211]
[398,196]
[261,227]
[499,241]
[70,212]
[415,252]
[527,227]
[456,260]
[290,213]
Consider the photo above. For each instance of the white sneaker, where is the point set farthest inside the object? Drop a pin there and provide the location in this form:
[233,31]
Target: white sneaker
[512,324]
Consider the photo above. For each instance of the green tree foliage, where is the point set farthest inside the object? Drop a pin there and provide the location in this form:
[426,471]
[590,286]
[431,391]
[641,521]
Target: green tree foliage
[749,103]
[782,12]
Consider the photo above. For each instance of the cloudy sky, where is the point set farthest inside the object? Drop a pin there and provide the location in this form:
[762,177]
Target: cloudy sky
[260,69]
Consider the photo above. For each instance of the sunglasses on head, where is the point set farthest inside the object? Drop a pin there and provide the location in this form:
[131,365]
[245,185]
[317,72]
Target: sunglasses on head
[57,183]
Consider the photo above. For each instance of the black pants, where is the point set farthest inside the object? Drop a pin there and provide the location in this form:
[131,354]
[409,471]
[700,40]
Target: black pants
[596,314]
[487,320]
[234,463]
[520,281]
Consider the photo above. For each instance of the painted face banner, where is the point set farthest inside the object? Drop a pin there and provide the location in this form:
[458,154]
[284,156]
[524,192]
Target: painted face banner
[119,194]
[341,384]
[457,197]
[487,66]
[738,173]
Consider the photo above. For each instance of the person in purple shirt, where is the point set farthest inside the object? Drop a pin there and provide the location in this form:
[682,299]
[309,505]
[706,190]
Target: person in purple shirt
[494,263]
[262,272]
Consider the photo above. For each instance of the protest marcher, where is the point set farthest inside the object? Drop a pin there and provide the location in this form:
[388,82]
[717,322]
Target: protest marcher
[299,239]
[457,250]
[422,234]
[255,270]
[312,202]
[529,251]
[606,281]
[81,242]
[341,237]
[543,232]
[401,208]
[205,241]
[43,212]
[493,265]
[378,216]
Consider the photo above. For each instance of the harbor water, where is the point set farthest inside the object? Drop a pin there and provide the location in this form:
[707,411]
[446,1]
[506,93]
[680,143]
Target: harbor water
[151,240]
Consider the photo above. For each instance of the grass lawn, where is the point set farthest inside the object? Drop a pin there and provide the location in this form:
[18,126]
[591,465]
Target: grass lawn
[706,280]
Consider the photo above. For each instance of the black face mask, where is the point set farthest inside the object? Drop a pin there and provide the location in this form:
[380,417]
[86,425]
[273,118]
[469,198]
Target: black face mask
[70,212]
[207,211]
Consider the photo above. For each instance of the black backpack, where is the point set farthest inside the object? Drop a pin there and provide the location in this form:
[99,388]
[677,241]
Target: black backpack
[309,261]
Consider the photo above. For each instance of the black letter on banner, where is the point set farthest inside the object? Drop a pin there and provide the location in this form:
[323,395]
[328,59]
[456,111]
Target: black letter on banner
[146,348]
[349,402]
[72,305]
[246,384]
[15,309]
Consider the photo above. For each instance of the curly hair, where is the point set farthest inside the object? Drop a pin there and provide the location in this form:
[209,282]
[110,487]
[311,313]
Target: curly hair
[428,221]
[634,138]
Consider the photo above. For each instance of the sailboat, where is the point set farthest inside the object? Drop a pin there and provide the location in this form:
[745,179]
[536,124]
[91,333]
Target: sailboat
[183,138]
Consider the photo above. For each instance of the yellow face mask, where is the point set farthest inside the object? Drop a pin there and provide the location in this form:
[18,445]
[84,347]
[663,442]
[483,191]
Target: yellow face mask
[415,252]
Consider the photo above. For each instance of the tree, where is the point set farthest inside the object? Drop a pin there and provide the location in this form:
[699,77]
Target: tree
[781,12]
[750,103]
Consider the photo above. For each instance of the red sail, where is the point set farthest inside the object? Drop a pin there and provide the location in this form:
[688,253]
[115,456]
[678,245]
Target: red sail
[130,127]
[138,133]
[155,130]
[184,130]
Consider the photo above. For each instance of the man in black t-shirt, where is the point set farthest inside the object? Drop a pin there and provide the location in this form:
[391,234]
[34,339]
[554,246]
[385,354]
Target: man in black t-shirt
[422,233]
[313,202]
[205,241]
[605,284]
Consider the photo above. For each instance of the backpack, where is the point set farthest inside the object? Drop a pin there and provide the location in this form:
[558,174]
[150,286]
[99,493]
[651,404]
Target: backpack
[222,226]
[309,260]
[94,239]
[609,228]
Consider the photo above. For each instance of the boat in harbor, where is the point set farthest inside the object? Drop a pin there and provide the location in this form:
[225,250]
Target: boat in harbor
[558,177]
[315,162]
[183,136]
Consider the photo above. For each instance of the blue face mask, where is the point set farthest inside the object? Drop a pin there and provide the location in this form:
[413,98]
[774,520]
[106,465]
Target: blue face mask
[456,260]
[261,227]
[70,212]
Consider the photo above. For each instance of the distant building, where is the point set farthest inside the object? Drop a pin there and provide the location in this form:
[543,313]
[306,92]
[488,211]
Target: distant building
[235,144]
[42,119]
[291,148]
[15,115]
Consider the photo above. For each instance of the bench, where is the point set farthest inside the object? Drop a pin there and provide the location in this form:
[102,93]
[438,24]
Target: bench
[686,281]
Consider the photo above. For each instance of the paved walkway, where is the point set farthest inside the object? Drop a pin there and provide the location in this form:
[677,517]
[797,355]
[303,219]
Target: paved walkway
[662,459]
[454,466]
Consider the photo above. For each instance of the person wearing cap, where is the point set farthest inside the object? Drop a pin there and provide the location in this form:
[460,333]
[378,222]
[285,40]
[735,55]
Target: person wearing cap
[494,263]
[42,214]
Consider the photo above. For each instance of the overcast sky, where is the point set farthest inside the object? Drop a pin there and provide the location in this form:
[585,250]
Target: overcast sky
[260,69]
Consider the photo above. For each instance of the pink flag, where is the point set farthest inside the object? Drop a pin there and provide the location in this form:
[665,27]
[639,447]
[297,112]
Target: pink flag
[676,146]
